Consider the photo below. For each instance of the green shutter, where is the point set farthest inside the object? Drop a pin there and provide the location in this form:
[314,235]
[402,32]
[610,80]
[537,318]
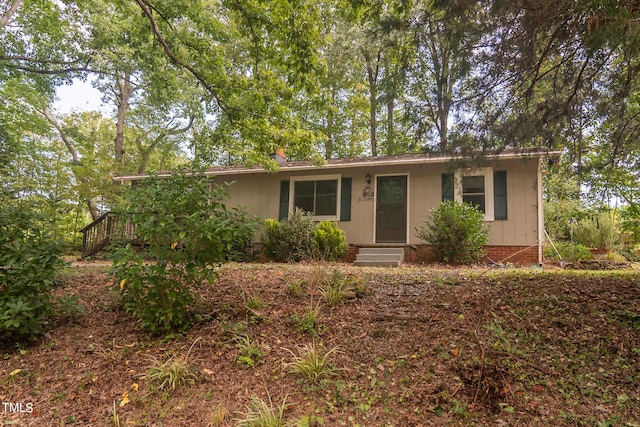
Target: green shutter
[447,186]
[345,200]
[500,195]
[284,200]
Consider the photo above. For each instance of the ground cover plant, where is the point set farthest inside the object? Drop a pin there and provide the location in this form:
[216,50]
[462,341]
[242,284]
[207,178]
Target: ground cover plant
[420,347]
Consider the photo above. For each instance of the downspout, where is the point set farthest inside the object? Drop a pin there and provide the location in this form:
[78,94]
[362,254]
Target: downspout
[540,212]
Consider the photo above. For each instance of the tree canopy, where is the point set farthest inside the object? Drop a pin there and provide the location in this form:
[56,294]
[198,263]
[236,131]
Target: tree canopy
[229,81]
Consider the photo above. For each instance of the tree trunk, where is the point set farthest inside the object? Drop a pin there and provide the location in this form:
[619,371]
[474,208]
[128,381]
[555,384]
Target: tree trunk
[391,143]
[93,209]
[123,93]
[372,77]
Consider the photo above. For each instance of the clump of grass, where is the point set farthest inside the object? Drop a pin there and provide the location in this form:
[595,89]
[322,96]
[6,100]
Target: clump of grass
[318,277]
[334,293]
[263,414]
[171,373]
[218,415]
[250,351]
[253,303]
[311,363]
[359,286]
[309,319]
[297,288]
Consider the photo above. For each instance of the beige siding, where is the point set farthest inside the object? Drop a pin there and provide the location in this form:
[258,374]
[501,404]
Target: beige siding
[260,193]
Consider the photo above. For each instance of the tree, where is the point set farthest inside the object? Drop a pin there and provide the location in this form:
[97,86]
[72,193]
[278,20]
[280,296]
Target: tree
[445,37]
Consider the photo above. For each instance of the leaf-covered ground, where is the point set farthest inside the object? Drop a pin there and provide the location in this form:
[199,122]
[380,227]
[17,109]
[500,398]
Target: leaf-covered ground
[421,346]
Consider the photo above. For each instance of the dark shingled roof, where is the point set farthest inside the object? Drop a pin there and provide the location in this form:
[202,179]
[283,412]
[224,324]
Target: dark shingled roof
[362,162]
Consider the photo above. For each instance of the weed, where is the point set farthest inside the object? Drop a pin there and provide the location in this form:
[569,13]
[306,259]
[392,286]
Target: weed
[309,319]
[297,288]
[311,363]
[67,307]
[333,293]
[263,414]
[115,419]
[218,415]
[171,373]
[253,303]
[318,277]
[250,351]
[359,286]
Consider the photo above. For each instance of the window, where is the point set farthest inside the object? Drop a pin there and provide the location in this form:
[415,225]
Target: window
[484,188]
[475,186]
[319,195]
[473,191]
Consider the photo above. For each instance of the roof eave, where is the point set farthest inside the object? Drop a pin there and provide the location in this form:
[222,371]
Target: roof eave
[355,164]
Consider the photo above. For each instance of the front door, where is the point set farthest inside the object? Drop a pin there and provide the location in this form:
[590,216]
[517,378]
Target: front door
[391,209]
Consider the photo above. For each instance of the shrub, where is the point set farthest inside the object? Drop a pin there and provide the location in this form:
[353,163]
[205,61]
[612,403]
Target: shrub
[598,232]
[330,240]
[298,238]
[189,232]
[290,240]
[29,259]
[579,252]
[457,232]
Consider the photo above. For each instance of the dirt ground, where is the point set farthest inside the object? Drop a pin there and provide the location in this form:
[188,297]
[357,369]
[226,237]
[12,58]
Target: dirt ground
[412,346]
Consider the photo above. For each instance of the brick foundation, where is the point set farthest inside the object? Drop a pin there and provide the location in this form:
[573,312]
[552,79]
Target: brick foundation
[425,254]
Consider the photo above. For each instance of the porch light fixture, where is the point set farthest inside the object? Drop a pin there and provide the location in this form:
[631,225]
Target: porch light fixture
[368,177]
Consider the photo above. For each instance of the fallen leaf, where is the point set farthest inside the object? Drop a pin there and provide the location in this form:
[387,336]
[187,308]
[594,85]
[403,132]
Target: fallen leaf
[207,371]
[134,386]
[455,352]
[122,282]
[125,399]
[15,372]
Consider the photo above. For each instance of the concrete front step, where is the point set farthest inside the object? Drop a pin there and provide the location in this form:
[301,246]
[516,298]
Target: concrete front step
[379,257]
[372,251]
[377,263]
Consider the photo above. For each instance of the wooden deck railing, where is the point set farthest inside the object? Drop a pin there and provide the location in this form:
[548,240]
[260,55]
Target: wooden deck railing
[101,232]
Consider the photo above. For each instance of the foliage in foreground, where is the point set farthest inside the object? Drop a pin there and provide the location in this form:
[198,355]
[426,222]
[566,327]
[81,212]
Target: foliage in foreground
[299,238]
[457,232]
[29,258]
[263,414]
[188,232]
[575,252]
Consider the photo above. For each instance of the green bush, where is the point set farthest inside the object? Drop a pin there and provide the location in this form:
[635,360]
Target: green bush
[291,240]
[330,240]
[565,248]
[598,232]
[29,259]
[629,253]
[457,232]
[188,232]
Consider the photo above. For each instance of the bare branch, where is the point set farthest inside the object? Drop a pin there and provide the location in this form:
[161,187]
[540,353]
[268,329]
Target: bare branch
[9,13]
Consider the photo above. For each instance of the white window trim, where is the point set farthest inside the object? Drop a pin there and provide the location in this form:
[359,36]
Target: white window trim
[489,214]
[337,177]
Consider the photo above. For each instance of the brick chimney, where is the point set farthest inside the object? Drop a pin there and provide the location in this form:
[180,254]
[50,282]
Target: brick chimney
[279,155]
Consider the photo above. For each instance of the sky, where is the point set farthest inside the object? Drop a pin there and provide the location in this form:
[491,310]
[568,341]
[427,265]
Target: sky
[79,96]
